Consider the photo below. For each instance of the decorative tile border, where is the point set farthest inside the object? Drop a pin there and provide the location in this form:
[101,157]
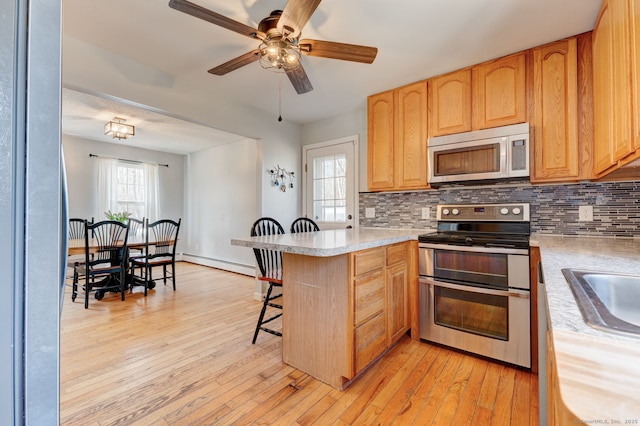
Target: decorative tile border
[554,208]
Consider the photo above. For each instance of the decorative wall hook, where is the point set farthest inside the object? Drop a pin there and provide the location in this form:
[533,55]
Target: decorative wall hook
[281,178]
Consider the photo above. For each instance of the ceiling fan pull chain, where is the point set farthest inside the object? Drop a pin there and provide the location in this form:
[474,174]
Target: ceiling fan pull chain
[280,97]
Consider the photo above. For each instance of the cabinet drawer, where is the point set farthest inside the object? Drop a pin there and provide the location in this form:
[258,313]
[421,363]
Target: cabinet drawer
[368,260]
[371,341]
[369,296]
[396,253]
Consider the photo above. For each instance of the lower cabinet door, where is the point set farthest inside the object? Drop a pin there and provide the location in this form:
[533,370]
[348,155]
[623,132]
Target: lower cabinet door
[370,340]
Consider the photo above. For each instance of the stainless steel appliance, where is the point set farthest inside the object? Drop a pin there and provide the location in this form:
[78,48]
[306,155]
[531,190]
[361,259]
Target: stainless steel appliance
[497,153]
[474,281]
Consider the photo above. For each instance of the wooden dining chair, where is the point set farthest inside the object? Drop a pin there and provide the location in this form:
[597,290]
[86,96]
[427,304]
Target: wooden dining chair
[270,265]
[105,258]
[161,239]
[304,224]
[137,230]
[75,231]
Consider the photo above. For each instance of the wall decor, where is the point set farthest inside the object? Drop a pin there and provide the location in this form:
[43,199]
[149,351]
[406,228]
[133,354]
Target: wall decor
[281,178]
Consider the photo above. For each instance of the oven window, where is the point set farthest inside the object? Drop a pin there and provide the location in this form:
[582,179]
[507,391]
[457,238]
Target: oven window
[489,269]
[470,160]
[481,314]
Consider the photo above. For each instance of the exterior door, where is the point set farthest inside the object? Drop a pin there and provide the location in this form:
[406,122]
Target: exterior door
[329,182]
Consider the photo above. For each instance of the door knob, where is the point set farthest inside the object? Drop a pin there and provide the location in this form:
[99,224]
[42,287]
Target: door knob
[349,227]
[349,217]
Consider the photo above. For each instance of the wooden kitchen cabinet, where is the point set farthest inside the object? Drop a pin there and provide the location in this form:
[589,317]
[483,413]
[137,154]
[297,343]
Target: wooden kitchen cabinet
[381,308]
[397,138]
[450,103]
[380,119]
[634,16]
[614,72]
[499,92]
[343,312]
[397,298]
[555,117]
[487,95]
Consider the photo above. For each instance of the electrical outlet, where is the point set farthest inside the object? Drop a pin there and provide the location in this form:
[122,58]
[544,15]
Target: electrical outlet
[585,213]
[426,212]
[370,212]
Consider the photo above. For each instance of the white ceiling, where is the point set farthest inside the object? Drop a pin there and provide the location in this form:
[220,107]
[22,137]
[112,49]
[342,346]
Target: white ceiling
[416,39]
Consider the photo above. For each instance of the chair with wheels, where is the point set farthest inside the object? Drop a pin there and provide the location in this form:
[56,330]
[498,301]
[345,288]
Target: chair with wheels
[161,239]
[304,224]
[270,265]
[105,258]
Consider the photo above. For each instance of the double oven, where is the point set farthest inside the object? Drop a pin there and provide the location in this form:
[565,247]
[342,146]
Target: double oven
[474,284]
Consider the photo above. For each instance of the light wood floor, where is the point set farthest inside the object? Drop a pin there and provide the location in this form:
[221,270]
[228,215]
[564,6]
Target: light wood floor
[185,358]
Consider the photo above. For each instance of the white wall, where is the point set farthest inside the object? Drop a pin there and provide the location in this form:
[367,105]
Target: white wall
[82,176]
[352,123]
[222,201]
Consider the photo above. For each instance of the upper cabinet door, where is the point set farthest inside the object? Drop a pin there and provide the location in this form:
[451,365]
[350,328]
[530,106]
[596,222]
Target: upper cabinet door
[380,119]
[450,103]
[602,91]
[555,93]
[411,136]
[635,69]
[499,92]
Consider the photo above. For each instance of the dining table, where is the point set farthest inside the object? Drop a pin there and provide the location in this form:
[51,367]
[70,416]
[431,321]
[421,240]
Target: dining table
[77,247]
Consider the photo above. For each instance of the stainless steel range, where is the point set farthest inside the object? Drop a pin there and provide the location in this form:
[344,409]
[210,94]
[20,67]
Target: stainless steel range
[474,281]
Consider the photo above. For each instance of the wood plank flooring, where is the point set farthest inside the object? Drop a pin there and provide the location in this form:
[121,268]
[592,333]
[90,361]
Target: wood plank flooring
[186,358]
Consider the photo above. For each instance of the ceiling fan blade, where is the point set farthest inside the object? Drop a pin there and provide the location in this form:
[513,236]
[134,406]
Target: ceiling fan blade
[295,15]
[236,63]
[213,17]
[343,51]
[299,79]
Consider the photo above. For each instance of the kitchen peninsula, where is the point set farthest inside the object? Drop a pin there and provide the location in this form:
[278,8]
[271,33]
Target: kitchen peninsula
[348,296]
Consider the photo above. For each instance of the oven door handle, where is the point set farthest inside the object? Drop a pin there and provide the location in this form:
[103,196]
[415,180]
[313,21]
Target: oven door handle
[477,249]
[481,290]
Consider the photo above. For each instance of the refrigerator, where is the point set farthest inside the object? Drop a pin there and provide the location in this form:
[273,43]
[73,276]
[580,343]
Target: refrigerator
[32,211]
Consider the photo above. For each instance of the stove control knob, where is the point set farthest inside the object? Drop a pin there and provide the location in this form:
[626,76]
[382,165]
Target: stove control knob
[445,212]
[504,210]
[516,210]
[455,212]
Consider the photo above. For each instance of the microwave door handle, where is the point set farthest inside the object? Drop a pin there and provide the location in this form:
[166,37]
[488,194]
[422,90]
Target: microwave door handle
[481,290]
[505,154]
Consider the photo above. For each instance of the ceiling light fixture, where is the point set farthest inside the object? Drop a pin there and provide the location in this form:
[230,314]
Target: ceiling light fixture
[118,129]
[279,54]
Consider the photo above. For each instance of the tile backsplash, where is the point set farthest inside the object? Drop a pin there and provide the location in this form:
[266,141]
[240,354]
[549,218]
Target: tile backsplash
[554,208]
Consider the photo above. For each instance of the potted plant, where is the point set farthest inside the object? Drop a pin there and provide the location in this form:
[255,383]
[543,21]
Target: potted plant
[119,216]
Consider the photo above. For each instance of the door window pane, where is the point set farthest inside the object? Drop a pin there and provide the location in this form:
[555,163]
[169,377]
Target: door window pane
[329,188]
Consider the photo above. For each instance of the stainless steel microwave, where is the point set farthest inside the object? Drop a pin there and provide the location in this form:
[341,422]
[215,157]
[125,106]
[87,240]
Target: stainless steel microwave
[497,153]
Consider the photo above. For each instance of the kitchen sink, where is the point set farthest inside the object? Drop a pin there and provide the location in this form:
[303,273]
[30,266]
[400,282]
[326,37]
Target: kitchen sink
[608,301]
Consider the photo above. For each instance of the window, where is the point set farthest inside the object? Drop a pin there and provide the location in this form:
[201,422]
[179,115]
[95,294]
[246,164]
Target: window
[131,191]
[329,188]
[125,186]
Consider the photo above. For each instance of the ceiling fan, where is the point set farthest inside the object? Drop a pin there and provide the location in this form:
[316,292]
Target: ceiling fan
[280,47]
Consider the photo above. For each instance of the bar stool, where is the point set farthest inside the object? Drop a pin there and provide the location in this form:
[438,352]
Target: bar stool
[270,265]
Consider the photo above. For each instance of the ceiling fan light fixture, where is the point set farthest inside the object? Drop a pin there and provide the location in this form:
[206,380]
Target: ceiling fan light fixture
[119,129]
[279,55]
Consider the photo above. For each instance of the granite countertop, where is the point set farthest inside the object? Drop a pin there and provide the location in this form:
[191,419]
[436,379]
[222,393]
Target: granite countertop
[598,371]
[330,242]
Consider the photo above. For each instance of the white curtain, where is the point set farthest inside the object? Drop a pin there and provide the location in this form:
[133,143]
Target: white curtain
[152,189]
[107,186]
